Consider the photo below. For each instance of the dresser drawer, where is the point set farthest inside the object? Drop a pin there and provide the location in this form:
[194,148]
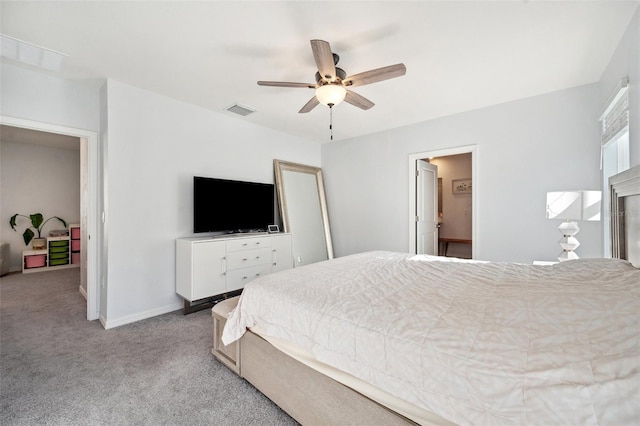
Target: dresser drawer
[240,277]
[248,243]
[248,258]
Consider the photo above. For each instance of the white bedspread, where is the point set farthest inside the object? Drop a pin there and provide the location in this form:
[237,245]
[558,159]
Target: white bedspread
[473,342]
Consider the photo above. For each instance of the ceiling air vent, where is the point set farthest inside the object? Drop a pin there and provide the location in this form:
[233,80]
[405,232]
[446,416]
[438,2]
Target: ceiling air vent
[240,109]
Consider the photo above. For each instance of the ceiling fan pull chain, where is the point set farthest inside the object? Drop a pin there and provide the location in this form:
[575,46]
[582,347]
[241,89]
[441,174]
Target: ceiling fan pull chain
[331,120]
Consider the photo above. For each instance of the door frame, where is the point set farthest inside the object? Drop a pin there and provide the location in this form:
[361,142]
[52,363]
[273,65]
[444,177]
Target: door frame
[88,196]
[413,165]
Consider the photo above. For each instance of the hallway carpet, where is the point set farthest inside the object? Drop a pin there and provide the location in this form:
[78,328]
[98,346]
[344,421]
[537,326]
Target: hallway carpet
[57,368]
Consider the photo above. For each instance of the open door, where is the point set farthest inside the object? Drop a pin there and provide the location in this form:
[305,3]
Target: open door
[426,208]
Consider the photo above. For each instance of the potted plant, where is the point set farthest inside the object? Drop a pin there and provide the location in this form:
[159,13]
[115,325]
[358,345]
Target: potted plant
[37,223]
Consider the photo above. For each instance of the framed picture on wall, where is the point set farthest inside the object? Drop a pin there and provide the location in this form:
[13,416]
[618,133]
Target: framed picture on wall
[461,186]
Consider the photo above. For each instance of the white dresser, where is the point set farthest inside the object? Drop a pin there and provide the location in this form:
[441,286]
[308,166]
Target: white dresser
[207,267]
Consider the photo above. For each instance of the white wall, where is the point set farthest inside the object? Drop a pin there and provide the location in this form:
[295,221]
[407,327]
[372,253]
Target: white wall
[524,149]
[625,62]
[155,146]
[41,97]
[37,179]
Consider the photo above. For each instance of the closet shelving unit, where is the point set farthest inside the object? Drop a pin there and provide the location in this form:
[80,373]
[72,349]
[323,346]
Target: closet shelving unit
[61,252]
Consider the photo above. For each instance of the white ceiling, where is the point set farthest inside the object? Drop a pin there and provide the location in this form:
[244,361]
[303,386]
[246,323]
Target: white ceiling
[459,55]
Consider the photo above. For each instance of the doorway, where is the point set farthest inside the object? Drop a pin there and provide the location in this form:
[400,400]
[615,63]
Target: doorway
[88,199]
[461,242]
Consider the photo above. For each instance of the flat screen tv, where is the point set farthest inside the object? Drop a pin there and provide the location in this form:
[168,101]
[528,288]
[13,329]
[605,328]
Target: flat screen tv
[221,205]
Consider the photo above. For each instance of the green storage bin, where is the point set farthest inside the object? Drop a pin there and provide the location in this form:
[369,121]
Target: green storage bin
[62,243]
[56,262]
[58,249]
[63,255]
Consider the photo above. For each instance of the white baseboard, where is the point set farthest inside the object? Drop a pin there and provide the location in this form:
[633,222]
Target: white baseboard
[103,321]
[83,292]
[107,324]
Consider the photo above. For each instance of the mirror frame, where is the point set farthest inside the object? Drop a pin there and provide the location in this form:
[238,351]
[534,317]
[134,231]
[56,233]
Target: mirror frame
[281,166]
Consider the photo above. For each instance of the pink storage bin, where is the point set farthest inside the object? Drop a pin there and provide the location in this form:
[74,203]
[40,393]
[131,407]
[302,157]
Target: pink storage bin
[35,261]
[75,258]
[75,233]
[75,245]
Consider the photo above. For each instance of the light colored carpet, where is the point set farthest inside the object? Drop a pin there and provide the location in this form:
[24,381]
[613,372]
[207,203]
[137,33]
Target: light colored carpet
[57,368]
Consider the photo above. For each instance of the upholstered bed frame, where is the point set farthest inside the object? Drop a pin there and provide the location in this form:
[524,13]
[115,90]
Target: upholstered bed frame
[625,215]
[315,399]
[305,394]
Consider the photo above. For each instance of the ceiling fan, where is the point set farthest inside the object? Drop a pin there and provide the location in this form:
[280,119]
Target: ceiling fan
[332,82]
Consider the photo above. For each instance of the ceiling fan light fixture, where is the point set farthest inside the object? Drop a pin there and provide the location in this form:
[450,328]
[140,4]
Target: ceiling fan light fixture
[331,94]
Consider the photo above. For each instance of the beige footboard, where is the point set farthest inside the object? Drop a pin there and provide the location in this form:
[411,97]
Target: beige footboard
[305,394]
[228,355]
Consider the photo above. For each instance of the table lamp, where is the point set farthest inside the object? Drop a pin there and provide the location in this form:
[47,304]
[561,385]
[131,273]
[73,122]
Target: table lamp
[572,206]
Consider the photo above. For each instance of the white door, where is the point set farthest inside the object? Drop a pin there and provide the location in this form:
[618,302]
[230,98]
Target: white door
[426,208]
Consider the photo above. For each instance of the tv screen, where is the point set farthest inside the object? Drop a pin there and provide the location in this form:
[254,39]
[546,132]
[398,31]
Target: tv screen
[221,205]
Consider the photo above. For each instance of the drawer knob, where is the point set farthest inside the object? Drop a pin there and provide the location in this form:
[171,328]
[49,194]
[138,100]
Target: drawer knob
[258,274]
[244,278]
[244,260]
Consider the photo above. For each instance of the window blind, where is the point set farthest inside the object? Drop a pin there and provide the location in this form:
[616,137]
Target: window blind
[615,117]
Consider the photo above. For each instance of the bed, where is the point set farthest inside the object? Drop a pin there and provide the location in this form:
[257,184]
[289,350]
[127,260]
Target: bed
[393,338]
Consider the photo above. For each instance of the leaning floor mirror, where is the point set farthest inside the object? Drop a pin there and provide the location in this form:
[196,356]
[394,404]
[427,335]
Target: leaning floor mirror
[303,209]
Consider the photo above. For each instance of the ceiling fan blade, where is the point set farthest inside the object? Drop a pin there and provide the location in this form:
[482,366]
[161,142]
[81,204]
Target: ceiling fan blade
[357,100]
[286,84]
[324,59]
[313,102]
[373,76]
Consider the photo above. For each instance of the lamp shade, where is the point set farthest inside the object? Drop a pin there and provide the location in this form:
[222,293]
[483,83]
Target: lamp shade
[331,94]
[573,205]
[591,205]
